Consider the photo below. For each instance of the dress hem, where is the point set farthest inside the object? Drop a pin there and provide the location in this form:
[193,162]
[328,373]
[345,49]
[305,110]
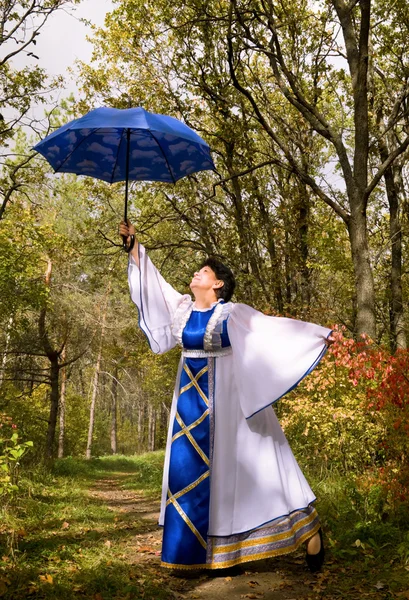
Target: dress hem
[246,559]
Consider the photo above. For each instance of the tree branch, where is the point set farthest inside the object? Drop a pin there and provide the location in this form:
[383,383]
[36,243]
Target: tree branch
[385,165]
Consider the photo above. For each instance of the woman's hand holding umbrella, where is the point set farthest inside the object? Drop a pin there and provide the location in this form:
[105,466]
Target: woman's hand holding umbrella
[127,232]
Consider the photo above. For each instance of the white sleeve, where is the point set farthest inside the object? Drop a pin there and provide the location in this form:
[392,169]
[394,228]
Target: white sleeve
[156,300]
[271,355]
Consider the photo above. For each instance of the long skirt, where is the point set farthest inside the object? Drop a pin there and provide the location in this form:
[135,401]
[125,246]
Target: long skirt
[186,541]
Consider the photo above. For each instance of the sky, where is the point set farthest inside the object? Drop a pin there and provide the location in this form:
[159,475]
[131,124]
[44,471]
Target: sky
[63,39]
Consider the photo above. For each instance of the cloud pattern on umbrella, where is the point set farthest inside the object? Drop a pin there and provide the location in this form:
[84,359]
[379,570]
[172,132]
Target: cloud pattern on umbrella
[161,148]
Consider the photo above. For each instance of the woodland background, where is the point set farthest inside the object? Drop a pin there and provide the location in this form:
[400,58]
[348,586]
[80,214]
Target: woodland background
[305,106]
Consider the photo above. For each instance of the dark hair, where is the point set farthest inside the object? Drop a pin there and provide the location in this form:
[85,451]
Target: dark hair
[225,274]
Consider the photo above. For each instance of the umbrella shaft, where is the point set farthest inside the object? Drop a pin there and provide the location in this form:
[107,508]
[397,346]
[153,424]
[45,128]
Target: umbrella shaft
[128,151]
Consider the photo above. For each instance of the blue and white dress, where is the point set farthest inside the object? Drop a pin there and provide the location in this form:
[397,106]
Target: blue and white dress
[232,489]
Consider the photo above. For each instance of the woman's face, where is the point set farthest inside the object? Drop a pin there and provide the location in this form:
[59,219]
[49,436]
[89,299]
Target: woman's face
[205,280]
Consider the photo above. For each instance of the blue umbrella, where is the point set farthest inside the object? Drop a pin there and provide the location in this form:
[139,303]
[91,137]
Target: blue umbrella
[126,144]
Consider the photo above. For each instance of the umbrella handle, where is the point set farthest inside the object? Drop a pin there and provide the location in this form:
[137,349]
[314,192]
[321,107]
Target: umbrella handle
[125,246]
[128,149]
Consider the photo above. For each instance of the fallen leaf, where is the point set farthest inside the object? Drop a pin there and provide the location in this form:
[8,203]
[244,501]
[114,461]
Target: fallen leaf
[46,578]
[285,584]
[98,596]
[379,585]
[253,583]
[227,578]
[107,544]
[3,586]
[65,525]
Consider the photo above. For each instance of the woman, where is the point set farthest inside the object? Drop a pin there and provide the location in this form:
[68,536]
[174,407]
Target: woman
[232,489]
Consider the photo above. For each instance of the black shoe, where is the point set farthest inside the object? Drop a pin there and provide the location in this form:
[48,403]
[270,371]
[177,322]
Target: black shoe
[315,561]
[228,572]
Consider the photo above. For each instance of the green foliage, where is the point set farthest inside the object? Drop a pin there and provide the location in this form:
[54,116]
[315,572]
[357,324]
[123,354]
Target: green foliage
[11,452]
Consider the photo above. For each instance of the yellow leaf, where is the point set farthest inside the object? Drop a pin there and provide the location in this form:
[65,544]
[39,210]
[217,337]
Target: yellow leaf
[107,544]
[46,578]
[65,525]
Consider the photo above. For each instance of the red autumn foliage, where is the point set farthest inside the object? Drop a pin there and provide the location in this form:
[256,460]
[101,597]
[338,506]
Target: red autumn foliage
[385,376]
[383,380]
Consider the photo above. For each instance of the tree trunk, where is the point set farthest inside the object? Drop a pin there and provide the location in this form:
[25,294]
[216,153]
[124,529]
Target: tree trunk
[95,389]
[54,399]
[397,323]
[287,269]
[140,423]
[394,184]
[151,428]
[114,411]
[302,225]
[62,407]
[6,347]
[271,248]
[364,283]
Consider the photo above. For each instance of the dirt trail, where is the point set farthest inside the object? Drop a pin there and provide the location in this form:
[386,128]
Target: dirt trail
[284,578]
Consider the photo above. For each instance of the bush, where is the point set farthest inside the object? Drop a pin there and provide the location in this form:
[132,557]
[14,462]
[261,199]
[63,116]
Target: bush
[351,415]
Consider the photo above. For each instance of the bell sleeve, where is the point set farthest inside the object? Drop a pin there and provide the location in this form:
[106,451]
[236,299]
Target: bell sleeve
[156,300]
[271,355]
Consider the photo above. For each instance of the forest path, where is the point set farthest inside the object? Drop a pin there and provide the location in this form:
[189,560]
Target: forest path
[284,578]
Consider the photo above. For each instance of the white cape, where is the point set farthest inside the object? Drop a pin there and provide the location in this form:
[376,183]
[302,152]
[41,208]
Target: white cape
[254,477]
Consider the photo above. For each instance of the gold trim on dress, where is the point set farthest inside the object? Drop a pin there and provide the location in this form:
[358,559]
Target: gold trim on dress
[194,382]
[266,539]
[191,426]
[188,487]
[248,558]
[187,520]
[192,440]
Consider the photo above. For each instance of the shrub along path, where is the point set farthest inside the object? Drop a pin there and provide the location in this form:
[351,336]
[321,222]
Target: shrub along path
[88,531]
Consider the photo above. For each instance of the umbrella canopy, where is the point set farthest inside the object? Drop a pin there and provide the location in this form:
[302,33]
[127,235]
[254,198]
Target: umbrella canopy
[99,144]
[115,144]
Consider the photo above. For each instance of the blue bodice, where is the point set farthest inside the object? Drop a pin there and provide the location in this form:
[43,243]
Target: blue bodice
[195,329]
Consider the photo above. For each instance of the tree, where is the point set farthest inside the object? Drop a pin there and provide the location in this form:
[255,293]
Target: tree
[21,22]
[277,32]
[302,74]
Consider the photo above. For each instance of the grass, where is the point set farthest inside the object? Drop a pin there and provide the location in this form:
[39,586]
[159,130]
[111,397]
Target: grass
[72,545]
[75,543]
[367,545]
